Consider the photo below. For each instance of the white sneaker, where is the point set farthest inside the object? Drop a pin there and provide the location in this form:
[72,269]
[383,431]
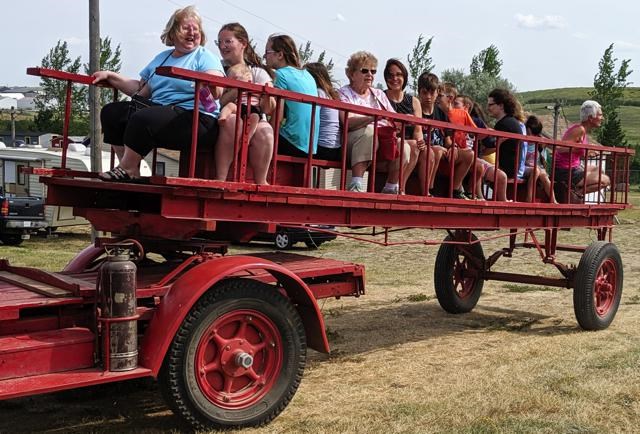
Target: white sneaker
[390,190]
[356,186]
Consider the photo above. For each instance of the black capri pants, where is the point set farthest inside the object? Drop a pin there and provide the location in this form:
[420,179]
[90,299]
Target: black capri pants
[154,127]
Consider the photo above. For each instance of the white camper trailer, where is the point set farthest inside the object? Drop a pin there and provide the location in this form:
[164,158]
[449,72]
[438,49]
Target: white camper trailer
[13,181]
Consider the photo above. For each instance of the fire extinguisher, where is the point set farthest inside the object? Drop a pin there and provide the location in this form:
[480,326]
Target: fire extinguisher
[118,309]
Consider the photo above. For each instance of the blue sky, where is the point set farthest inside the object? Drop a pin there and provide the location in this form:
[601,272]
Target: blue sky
[543,44]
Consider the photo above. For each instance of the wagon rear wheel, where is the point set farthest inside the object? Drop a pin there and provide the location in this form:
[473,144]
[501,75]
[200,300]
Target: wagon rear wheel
[457,275]
[237,359]
[598,286]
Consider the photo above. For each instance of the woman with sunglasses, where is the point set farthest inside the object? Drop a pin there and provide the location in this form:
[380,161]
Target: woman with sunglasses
[361,69]
[235,49]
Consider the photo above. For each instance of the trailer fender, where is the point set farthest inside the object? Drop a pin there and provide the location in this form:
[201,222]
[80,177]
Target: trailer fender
[188,289]
[80,262]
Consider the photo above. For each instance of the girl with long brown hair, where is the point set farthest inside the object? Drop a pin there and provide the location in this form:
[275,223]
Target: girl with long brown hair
[281,54]
[235,48]
[329,143]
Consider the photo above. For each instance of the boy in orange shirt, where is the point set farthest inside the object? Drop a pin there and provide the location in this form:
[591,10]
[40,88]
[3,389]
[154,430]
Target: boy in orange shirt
[481,169]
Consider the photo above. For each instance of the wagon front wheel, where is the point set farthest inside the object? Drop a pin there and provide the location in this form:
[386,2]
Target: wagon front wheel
[237,359]
[598,286]
[457,275]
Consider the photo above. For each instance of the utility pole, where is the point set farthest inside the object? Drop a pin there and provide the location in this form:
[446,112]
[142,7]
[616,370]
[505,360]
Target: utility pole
[556,115]
[95,135]
[95,49]
[13,126]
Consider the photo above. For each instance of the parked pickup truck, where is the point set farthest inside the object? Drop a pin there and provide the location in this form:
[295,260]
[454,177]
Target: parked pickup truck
[20,217]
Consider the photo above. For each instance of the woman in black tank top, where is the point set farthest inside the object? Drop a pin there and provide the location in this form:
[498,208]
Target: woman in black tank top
[405,107]
[396,76]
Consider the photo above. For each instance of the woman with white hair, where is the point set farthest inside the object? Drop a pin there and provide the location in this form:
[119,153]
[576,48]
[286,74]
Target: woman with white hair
[570,163]
[166,121]
[361,70]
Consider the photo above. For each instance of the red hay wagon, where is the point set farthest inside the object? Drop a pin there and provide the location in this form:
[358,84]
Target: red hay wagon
[226,336]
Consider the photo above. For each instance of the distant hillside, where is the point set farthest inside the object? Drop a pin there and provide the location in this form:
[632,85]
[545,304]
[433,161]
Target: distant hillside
[575,95]
[572,97]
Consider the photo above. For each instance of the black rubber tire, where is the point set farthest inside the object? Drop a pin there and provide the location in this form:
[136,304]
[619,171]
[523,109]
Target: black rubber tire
[283,241]
[600,266]
[447,290]
[11,239]
[177,376]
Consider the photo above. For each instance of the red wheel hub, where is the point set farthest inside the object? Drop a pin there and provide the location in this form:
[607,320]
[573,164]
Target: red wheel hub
[238,359]
[605,287]
[464,276]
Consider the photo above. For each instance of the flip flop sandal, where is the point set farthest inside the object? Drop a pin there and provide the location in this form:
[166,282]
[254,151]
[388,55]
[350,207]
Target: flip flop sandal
[117,174]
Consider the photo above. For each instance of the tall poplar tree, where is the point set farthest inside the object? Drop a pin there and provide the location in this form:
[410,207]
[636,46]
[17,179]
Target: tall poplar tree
[609,86]
[419,61]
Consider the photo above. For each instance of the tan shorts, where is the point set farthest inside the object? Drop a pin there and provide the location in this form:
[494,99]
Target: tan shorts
[360,145]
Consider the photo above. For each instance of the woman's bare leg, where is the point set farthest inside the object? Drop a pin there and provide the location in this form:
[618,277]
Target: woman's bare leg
[592,175]
[413,161]
[119,151]
[462,164]
[130,162]
[500,184]
[546,185]
[224,147]
[438,152]
[532,179]
[261,151]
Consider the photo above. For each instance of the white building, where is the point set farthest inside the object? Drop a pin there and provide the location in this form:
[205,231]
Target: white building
[27,103]
[14,95]
[6,103]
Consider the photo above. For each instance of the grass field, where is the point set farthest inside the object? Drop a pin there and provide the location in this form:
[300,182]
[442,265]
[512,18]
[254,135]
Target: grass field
[573,93]
[399,364]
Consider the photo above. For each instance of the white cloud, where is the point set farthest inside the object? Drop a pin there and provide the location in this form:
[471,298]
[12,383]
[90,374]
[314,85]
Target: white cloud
[625,45]
[340,17]
[73,40]
[545,22]
[145,37]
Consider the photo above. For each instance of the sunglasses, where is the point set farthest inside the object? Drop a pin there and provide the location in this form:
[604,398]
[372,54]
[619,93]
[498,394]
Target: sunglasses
[365,71]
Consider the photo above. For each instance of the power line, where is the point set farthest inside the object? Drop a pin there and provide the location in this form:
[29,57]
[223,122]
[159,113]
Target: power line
[262,19]
[281,28]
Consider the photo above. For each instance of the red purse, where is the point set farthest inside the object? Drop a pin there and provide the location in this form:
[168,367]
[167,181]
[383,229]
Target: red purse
[388,143]
[388,148]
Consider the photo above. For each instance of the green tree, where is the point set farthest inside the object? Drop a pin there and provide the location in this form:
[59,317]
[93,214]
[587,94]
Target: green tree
[486,61]
[477,86]
[608,90]
[51,103]
[419,61]
[306,55]
[110,60]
